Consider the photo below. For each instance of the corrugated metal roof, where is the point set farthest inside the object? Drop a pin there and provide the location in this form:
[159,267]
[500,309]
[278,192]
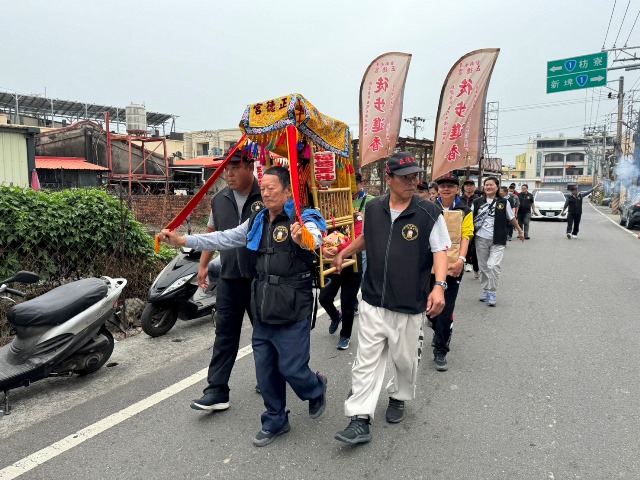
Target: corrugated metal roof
[66,163]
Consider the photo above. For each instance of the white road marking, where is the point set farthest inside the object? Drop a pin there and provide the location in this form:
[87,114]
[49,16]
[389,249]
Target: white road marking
[42,456]
[613,221]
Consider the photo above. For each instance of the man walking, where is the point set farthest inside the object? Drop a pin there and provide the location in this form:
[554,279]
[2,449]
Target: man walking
[233,205]
[512,196]
[459,220]
[468,196]
[574,204]
[405,236]
[527,207]
[282,299]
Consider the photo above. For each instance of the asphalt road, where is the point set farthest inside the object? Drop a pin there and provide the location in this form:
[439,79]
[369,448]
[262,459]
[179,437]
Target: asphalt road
[543,386]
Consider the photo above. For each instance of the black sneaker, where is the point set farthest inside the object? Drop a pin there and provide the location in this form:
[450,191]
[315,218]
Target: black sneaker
[316,405]
[395,411]
[334,324]
[441,363]
[211,401]
[265,438]
[356,432]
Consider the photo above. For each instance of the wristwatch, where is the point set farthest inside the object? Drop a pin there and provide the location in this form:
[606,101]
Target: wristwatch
[442,284]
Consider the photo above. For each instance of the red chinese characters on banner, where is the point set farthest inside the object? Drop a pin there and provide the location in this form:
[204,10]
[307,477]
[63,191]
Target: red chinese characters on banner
[460,119]
[324,164]
[381,95]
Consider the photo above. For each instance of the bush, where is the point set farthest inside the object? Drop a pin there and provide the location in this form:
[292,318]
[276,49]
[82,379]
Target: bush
[72,234]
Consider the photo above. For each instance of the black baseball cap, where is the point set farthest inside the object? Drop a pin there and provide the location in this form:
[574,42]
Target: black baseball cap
[448,178]
[469,182]
[240,155]
[422,185]
[402,163]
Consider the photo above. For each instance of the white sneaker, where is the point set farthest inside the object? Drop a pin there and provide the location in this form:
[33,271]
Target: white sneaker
[574,236]
[468,268]
[569,236]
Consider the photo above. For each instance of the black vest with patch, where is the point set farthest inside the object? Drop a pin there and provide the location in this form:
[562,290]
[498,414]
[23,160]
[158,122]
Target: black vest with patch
[282,290]
[500,221]
[237,262]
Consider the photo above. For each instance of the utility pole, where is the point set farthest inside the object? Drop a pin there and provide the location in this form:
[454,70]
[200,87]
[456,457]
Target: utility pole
[615,200]
[414,121]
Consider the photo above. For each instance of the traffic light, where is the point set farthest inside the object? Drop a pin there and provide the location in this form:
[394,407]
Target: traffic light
[569,167]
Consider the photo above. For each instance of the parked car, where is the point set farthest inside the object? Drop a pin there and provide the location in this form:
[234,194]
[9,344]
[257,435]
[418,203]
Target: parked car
[606,201]
[549,204]
[630,213]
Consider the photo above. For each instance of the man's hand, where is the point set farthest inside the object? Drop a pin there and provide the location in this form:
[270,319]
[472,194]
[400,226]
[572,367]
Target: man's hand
[203,277]
[172,238]
[435,302]
[296,233]
[521,235]
[337,261]
[455,269]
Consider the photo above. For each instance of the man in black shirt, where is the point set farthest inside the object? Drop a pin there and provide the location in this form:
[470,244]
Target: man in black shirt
[574,204]
[527,207]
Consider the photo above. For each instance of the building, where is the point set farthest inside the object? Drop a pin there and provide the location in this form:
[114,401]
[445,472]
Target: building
[560,161]
[210,143]
[17,154]
[58,173]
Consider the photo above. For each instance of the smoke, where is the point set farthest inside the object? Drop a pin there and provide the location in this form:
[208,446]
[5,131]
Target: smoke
[627,172]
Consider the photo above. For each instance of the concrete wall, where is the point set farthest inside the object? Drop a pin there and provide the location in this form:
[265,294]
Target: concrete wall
[215,139]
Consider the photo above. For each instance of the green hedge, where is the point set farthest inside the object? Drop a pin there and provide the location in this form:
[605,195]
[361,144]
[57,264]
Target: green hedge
[71,234]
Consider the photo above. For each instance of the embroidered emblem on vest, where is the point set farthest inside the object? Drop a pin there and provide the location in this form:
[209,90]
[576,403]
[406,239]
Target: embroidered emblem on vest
[410,232]
[257,206]
[500,206]
[280,234]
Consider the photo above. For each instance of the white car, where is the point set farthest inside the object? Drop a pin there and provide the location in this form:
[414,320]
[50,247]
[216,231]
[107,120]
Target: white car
[549,204]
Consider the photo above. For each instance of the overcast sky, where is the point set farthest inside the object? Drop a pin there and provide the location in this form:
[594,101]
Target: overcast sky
[206,60]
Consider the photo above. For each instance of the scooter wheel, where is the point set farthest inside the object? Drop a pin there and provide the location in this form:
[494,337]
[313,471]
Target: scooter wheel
[156,320]
[100,357]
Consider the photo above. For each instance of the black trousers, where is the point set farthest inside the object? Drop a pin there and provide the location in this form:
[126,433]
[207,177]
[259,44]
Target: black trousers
[573,222]
[443,324]
[348,282]
[472,258]
[233,298]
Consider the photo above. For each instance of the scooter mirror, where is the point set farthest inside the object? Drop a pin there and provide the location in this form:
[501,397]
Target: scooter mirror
[25,277]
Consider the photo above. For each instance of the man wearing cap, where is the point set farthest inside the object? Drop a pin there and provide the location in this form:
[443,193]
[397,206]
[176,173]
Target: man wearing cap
[459,220]
[574,204]
[468,196]
[282,294]
[423,190]
[229,208]
[405,237]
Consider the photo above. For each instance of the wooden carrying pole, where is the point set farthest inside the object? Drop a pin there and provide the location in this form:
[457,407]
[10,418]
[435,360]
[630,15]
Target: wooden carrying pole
[193,203]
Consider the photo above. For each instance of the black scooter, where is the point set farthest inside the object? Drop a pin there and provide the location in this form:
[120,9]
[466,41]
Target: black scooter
[58,333]
[175,294]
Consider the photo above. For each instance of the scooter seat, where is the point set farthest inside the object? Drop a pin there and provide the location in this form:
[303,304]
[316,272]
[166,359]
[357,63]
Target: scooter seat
[60,304]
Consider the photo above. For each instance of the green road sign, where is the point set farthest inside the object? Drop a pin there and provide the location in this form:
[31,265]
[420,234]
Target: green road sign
[575,73]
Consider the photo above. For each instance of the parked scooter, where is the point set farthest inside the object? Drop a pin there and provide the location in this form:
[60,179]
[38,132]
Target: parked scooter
[58,333]
[175,293]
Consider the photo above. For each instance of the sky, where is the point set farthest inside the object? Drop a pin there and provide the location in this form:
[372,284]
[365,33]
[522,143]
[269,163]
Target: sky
[205,60]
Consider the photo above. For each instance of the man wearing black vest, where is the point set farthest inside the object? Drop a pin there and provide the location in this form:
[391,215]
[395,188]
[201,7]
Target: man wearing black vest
[405,236]
[574,204]
[282,299]
[230,207]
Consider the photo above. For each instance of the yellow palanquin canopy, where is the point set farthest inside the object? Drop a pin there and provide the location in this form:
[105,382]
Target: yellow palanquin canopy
[264,122]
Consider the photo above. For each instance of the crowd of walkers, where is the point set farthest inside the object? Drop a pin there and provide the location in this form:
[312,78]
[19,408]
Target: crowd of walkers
[413,245]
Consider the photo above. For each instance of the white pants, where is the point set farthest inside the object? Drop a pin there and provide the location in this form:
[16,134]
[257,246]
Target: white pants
[382,332]
[489,258]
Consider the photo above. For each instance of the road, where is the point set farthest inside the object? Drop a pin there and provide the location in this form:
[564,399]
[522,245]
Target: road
[543,386]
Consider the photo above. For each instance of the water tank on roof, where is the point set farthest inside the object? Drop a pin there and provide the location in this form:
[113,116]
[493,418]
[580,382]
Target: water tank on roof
[136,118]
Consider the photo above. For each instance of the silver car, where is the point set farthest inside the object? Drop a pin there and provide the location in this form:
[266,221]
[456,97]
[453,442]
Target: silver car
[549,204]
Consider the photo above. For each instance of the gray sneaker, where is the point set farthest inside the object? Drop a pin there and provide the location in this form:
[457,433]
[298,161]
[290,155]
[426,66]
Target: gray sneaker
[264,438]
[441,363]
[356,432]
[395,411]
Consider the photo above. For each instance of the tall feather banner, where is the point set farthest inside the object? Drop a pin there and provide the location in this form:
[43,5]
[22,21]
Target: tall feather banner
[381,95]
[460,122]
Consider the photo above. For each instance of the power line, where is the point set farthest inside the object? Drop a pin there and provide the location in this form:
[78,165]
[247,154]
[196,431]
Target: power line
[632,27]
[610,18]
[621,24]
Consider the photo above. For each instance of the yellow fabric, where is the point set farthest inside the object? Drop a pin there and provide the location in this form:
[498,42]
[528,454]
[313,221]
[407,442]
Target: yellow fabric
[467,226]
[263,122]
